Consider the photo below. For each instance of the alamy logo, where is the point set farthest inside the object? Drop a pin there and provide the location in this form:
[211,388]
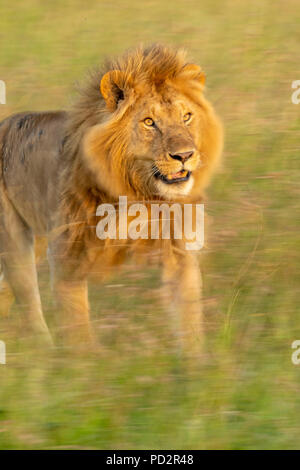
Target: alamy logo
[152,221]
[2,92]
[296,93]
[296,353]
[2,353]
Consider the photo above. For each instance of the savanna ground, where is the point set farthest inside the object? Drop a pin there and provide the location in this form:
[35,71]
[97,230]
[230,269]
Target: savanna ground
[137,392]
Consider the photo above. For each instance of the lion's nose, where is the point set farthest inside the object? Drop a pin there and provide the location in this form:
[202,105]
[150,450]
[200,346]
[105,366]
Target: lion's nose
[182,156]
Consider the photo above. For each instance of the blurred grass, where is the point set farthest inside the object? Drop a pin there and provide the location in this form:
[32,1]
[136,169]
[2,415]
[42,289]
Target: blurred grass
[137,392]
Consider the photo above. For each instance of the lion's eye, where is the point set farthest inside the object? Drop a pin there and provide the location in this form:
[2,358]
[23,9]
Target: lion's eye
[149,122]
[187,117]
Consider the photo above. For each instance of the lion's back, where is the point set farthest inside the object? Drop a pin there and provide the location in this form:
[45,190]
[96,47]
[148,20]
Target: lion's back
[30,153]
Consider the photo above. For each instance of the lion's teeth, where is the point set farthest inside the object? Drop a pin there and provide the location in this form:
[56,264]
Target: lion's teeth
[179,174]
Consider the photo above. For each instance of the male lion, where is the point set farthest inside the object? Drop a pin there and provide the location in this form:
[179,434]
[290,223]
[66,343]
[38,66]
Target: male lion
[141,128]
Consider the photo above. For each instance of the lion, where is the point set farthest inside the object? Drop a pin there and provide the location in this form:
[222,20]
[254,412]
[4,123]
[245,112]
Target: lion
[141,128]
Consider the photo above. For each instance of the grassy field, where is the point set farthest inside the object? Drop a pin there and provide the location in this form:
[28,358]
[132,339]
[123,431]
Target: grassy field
[137,392]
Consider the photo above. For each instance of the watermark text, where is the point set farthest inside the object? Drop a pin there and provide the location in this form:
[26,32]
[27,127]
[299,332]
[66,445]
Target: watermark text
[2,352]
[2,92]
[155,221]
[296,353]
[296,94]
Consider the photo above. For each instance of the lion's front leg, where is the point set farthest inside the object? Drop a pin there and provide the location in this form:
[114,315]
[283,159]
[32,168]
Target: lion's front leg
[71,298]
[182,292]
[6,298]
[73,311]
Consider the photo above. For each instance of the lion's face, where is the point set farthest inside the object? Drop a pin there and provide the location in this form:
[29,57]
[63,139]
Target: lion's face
[165,141]
[159,137]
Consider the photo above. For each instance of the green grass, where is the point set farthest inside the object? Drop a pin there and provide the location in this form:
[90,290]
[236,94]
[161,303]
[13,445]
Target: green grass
[137,392]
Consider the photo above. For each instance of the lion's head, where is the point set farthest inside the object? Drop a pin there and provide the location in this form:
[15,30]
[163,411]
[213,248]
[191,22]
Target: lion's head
[157,135]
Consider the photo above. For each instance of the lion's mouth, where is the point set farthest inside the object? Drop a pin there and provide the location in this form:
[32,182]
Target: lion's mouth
[179,177]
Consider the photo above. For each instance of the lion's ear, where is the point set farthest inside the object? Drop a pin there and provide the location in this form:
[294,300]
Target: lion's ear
[193,72]
[112,88]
